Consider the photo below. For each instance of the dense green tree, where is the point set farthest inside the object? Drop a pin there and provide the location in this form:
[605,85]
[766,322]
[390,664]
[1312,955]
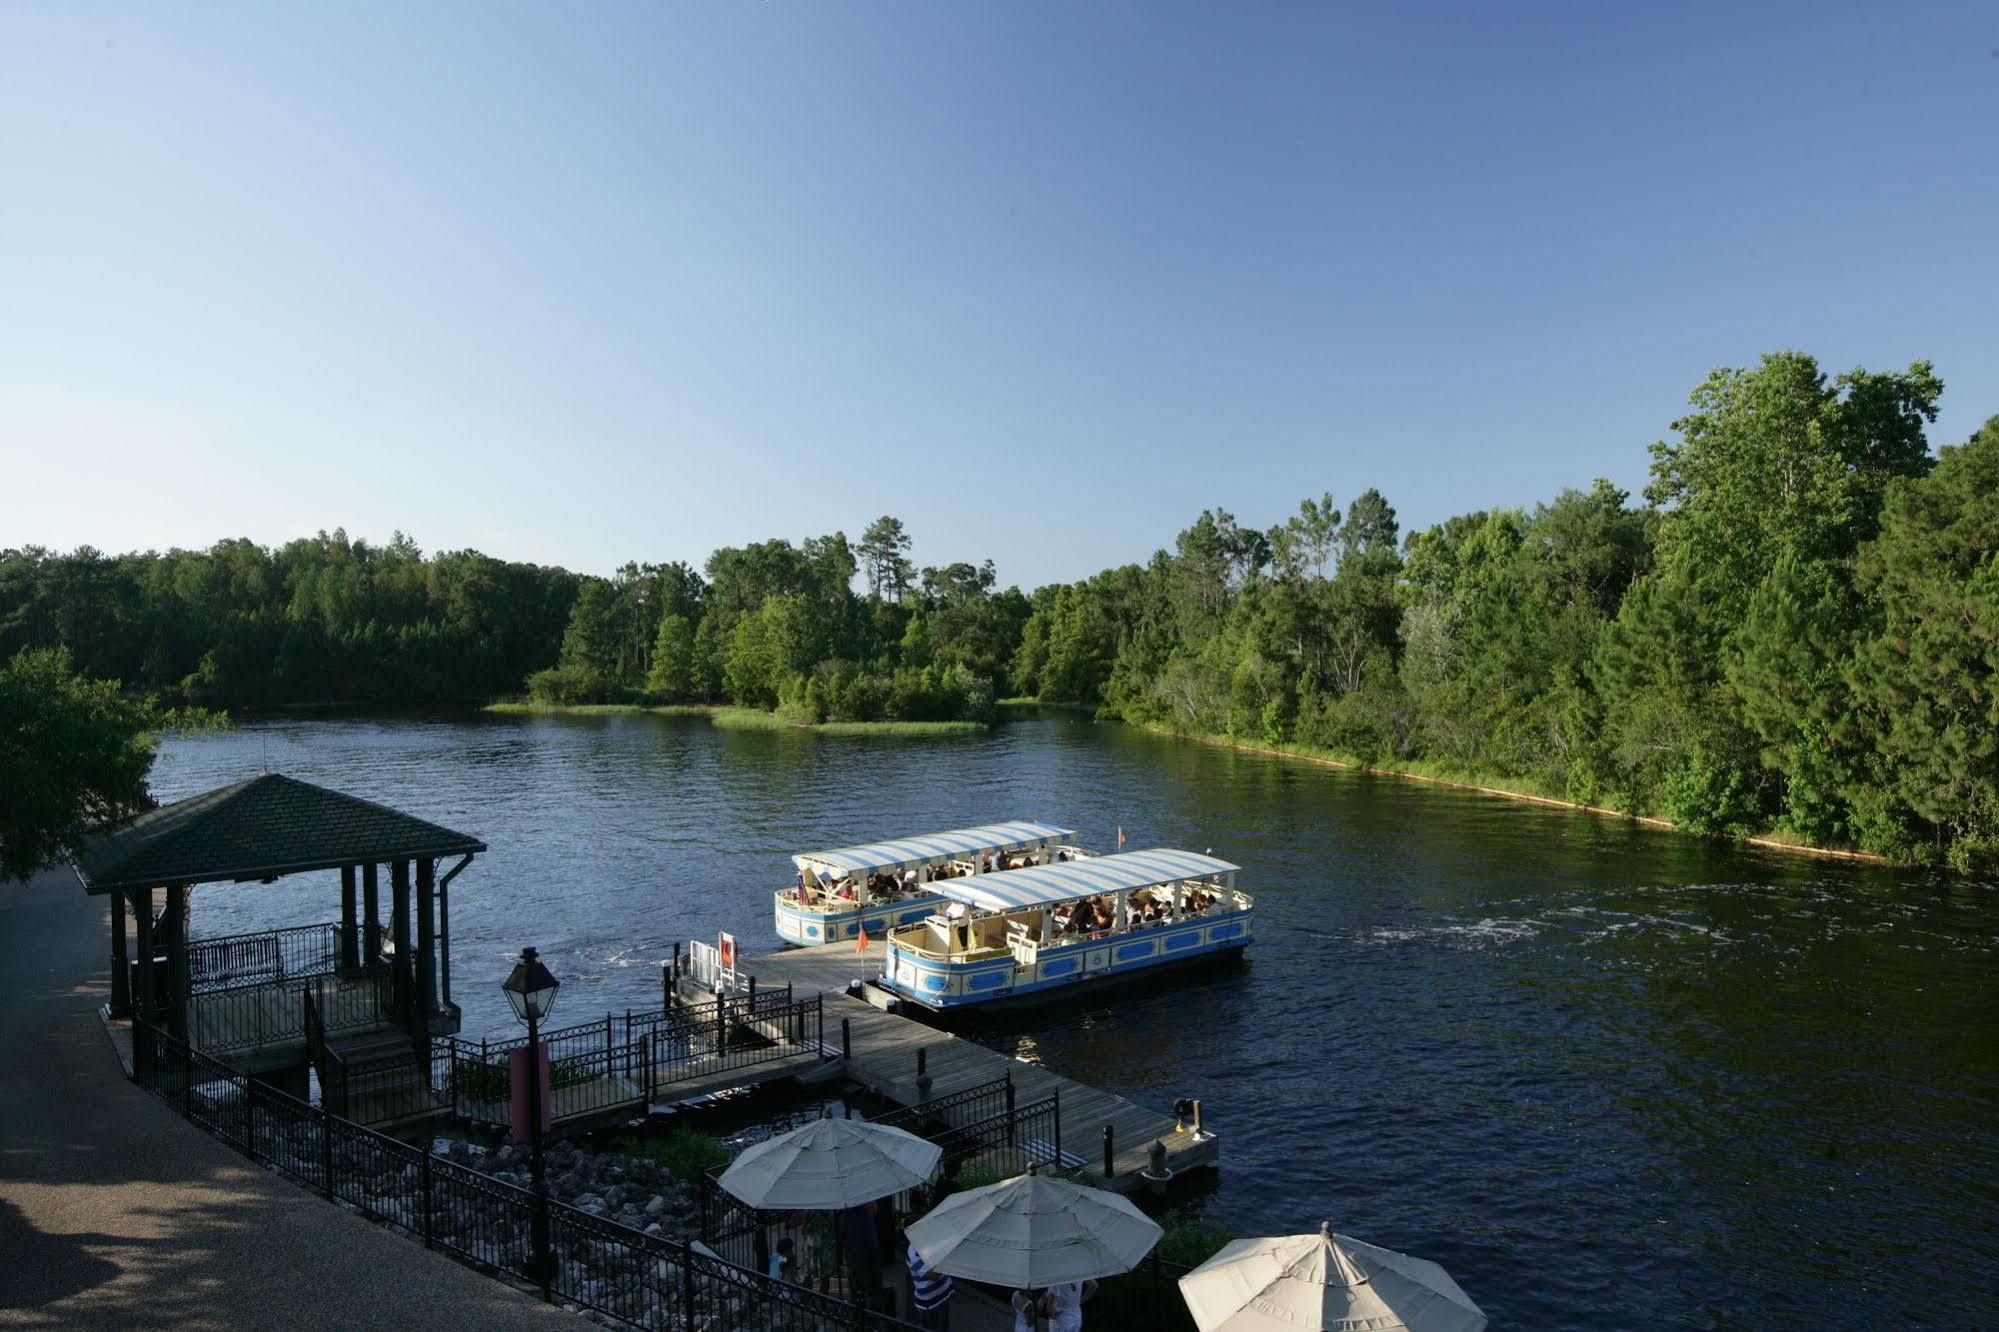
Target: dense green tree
[1775,460]
[74,752]
[884,554]
[1927,675]
[674,675]
[917,648]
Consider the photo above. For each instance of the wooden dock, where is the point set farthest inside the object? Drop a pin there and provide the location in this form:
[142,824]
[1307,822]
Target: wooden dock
[882,1058]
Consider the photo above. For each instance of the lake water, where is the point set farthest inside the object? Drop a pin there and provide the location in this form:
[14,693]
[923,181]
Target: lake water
[1609,1077]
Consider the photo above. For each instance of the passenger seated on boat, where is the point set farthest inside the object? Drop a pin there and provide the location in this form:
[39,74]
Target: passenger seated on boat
[844,890]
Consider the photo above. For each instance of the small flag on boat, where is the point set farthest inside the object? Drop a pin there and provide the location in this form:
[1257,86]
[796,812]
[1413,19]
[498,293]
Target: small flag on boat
[861,940]
[1120,834]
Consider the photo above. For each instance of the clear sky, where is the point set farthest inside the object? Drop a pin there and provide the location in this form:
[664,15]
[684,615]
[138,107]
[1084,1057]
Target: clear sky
[582,283]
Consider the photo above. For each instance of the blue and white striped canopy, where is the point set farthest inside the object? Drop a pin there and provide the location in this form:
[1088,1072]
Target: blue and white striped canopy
[1043,885]
[936,846]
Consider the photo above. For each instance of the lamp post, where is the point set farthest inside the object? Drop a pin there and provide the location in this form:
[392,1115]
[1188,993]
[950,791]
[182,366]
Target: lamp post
[530,990]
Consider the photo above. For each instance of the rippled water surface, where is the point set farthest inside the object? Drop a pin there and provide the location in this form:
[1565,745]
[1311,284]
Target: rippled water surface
[1608,1077]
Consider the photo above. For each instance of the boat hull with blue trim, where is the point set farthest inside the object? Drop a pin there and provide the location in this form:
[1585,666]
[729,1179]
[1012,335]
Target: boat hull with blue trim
[808,927]
[1003,984]
[1015,938]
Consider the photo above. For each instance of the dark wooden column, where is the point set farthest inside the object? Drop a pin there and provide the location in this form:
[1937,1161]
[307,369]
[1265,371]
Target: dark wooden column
[444,940]
[405,983]
[177,958]
[426,946]
[350,940]
[142,1002]
[121,965]
[371,928]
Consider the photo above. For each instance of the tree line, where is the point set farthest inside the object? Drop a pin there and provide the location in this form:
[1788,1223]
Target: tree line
[780,626]
[1795,629]
[320,619]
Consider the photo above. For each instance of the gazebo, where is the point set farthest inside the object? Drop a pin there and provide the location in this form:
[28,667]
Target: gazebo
[243,999]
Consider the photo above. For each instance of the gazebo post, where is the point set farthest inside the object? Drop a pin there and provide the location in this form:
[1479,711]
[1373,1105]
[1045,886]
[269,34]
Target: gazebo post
[177,958]
[399,878]
[444,939]
[426,946]
[121,966]
[350,941]
[371,929]
[142,1002]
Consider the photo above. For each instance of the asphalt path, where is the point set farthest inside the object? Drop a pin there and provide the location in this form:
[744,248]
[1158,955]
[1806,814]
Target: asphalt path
[117,1213]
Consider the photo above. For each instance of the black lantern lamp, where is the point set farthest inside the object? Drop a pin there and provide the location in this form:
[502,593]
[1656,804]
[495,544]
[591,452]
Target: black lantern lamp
[531,991]
[531,988]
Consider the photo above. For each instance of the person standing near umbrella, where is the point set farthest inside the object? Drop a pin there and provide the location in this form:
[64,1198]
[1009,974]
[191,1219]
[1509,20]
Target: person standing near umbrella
[930,1293]
[862,1243]
[1057,1309]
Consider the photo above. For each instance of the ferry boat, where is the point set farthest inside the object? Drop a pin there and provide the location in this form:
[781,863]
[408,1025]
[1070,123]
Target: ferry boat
[1030,933]
[886,884]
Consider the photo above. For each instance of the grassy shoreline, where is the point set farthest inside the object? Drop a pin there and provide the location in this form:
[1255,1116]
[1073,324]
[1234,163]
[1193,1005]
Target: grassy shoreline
[526,707]
[1771,841]
[751,719]
[735,719]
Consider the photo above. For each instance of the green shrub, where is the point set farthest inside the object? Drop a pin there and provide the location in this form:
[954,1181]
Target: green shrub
[686,1154]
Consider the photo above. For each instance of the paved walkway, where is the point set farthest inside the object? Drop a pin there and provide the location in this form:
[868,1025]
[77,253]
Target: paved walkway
[116,1213]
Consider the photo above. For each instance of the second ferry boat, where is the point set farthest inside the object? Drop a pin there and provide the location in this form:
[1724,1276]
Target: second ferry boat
[885,884]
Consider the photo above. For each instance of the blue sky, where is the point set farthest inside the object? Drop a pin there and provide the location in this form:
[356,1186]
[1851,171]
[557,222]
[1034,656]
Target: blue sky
[588,283]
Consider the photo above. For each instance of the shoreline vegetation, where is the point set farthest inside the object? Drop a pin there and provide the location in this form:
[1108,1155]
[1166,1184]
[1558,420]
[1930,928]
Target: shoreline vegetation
[1786,639]
[1768,840]
[736,719]
[532,707]
[751,719]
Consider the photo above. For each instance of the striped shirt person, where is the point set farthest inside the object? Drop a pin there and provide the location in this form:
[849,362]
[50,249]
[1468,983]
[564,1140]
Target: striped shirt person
[930,1292]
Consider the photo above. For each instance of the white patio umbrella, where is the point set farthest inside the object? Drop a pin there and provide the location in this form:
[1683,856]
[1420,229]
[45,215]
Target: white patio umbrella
[1033,1232]
[830,1164]
[1324,1283]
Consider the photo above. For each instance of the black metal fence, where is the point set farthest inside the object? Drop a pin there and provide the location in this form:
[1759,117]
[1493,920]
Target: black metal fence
[273,955]
[255,1013]
[982,1101]
[1004,1145]
[624,1274]
[599,1068]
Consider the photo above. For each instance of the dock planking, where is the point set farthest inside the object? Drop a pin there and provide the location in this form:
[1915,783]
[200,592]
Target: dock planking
[882,1058]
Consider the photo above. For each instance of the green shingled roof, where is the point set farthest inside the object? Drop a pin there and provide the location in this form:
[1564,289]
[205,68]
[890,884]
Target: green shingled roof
[257,828]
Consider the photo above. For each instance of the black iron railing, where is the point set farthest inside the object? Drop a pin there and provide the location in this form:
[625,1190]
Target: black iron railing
[257,1013]
[593,1072]
[273,955]
[623,1274]
[733,1007]
[1003,1145]
[983,1101]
